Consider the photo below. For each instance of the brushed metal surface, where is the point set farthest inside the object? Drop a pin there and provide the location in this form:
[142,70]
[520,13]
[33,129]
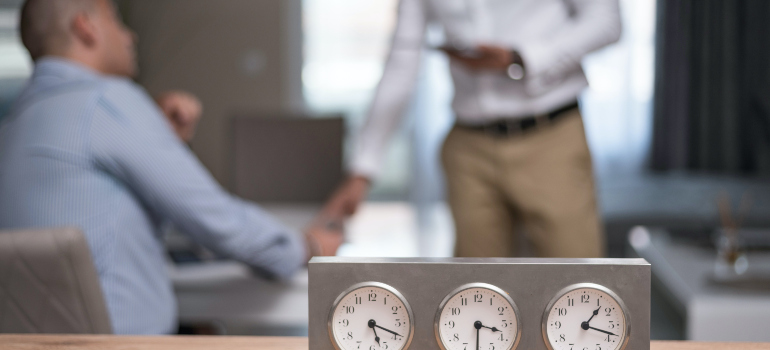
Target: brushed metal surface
[531,283]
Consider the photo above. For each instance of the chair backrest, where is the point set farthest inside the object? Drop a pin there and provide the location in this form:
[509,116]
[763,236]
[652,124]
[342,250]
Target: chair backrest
[48,284]
[287,159]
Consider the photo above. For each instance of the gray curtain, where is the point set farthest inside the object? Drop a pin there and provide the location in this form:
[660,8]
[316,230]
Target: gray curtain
[712,89]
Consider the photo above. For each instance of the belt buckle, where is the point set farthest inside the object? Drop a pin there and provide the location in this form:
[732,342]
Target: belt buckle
[510,128]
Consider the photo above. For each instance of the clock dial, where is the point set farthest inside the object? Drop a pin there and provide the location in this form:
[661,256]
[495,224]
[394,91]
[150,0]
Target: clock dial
[371,316]
[586,317]
[477,316]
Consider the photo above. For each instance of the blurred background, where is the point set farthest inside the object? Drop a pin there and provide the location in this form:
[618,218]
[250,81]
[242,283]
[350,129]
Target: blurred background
[677,117]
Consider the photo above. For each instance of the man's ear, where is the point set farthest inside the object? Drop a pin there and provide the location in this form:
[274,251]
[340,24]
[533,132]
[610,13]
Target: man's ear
[84,29]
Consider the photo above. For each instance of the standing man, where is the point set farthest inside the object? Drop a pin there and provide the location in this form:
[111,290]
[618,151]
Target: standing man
[517,155]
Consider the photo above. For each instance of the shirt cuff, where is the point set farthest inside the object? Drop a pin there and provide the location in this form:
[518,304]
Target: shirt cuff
[538,60]
[365,165]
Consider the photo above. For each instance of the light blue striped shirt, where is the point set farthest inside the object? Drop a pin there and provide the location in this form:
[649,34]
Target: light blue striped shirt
[95,152]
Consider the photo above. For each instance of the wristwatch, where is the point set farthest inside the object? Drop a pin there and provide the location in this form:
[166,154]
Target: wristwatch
[516,68]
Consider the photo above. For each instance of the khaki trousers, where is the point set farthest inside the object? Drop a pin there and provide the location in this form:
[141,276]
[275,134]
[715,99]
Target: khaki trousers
[539,183]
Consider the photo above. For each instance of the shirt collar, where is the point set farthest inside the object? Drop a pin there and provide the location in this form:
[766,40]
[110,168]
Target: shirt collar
[63,68]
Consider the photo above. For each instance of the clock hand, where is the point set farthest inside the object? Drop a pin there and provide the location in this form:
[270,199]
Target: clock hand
[477,324]
[494,329]
[584,325]
[596,312]
[603,331]
[373,324]
[388,330]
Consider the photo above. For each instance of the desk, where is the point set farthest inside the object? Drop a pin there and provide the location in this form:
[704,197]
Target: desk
[711,312]
[226,294]
[49,342]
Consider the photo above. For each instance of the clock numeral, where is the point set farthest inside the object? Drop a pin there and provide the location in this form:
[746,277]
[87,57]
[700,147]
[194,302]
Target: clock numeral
[609,311]
[386,300]
[570,346]
[345,323]
[505,324]
[350,309]
[608,338]
[395,309]
[612,325]
[350,335]
[501,337]
[598,347]
[597,302]
[562,338]
[463,301]
[358,300]
[584,298]
[501,310]
[491,346]
[398,323]
[451,324]
[570,302]
[562,311]
[455,311]
[359,344]
[456,337]
[556,324]
[372,297]
[477,298]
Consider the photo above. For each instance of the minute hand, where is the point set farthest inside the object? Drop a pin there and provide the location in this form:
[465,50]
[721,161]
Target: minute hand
[389,331]
[603,331]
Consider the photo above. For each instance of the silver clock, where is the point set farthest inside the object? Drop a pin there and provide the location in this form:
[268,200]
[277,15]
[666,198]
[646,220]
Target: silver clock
[371,316]
[586,316]
[479,304]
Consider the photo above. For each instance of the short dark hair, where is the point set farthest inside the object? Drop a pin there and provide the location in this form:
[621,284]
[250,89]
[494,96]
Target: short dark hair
[45,24]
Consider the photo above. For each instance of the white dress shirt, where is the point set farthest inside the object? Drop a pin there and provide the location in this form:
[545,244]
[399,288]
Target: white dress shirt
[552,37]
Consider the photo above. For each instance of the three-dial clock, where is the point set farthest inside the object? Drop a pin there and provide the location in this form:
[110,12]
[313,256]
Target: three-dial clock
[586,316]
[477,316]
[371,316]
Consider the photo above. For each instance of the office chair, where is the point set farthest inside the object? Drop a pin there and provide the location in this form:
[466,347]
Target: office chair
[48,284]
[287,158]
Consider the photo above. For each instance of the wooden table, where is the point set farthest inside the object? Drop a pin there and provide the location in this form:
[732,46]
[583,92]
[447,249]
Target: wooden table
[67,342]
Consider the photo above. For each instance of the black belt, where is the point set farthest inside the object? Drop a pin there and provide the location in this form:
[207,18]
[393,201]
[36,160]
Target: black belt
[508,127]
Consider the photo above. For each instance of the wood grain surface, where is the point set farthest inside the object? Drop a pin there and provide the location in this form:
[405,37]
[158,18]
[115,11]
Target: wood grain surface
[71,342]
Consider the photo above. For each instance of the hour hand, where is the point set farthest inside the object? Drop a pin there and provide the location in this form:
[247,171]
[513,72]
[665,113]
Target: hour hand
[494,329]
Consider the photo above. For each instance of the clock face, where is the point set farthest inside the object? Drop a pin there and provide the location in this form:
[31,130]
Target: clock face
[477,316]
[371,316]
[586,317]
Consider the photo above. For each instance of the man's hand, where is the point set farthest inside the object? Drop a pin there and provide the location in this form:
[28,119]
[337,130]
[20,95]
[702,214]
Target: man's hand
[323,239]
[489,57]
[183,111]
[345,201]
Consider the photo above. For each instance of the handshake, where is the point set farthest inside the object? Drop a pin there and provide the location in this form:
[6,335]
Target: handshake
[326,234]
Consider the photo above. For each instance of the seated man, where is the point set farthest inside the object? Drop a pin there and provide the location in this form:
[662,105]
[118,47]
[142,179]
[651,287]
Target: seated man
[84,146]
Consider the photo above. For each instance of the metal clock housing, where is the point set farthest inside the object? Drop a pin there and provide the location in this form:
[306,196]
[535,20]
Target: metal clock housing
[626,317]
[377,285]
[495,289]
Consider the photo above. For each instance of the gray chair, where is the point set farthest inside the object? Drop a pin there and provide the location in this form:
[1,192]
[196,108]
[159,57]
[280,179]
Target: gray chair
[287,159]
[48,284]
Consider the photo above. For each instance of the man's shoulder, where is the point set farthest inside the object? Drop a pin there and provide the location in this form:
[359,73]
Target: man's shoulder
[121,91]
